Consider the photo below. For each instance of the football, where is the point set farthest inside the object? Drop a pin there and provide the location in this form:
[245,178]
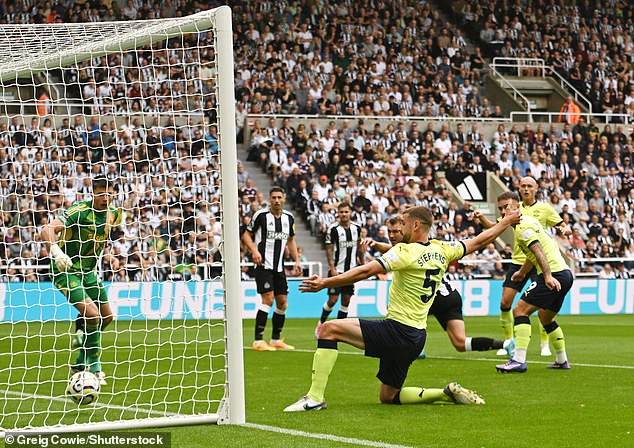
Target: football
[83,388]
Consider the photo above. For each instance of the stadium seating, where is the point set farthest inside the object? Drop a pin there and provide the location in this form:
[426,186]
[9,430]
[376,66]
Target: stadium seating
[290,59]
[596,56]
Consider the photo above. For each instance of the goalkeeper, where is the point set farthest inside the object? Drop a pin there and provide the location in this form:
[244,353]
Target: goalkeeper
[83,231]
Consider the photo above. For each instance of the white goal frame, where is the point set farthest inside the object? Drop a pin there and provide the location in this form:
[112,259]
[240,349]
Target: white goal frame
[231,409]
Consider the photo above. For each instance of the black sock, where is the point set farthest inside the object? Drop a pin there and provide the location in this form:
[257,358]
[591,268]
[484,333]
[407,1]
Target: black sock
[260,324]
[278,324]
[324,314]
[343,312]
[80,324]
[485,344]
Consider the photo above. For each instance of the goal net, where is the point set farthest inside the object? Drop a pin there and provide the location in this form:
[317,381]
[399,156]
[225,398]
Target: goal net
[149,106]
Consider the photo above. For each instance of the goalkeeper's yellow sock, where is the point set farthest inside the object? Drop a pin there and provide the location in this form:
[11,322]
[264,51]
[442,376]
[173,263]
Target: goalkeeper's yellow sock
[419,395]
[556,337]
[323,362]
[506,320]
[522,337]
[543,335]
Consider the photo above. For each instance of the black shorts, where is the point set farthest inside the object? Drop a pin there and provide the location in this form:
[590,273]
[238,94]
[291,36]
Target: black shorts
[540,296]
[446,308]
[518,286]
[347,289]
[269,280]
[396,345]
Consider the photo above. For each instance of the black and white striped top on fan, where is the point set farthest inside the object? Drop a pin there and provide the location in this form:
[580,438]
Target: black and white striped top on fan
[271,235]
[345,243]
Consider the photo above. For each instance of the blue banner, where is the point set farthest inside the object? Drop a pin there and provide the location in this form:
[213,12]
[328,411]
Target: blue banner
[203,300]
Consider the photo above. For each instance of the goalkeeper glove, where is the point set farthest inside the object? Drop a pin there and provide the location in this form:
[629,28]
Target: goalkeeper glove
[62,261]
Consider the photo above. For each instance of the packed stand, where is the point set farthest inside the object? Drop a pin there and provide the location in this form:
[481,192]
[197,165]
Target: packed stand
[587,175]
[367,58]
[591,44]
[354,58]
[166,182]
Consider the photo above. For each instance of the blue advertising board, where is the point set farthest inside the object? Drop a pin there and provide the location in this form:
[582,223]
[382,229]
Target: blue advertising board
[203,300]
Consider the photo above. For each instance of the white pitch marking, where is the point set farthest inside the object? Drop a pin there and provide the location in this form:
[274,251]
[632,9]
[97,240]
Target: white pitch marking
[314,435]
[459,358]
[95,405]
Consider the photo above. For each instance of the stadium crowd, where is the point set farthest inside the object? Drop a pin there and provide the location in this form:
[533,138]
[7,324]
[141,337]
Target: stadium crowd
[370,58]
[355,58]
[587,175]
[589,43]
[166,182]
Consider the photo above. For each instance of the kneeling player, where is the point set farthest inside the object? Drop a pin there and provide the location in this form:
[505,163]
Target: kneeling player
[418,265]
[447,305]
[85,228]
[547,294]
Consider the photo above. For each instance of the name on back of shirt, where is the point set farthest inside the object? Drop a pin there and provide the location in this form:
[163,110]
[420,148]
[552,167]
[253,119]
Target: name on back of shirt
[429,256]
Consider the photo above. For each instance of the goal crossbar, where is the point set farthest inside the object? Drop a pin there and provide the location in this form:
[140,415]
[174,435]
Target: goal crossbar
[47,51]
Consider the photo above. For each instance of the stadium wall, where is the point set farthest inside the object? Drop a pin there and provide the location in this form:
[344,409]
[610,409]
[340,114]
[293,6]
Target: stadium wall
[21,302]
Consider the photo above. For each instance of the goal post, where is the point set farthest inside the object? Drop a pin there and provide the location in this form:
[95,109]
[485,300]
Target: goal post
[149,105]
[235,411]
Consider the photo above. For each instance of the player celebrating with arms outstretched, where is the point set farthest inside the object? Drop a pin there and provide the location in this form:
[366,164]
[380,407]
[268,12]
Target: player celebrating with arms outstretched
[85,228]
[418,265]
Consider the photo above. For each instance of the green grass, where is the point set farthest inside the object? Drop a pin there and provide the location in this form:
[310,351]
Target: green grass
[587,406]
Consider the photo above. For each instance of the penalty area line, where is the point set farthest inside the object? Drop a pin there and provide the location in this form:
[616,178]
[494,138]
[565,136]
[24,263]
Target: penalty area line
[466,358]
[321,436]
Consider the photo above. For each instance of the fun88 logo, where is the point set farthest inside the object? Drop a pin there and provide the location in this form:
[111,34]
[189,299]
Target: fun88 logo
[276,235]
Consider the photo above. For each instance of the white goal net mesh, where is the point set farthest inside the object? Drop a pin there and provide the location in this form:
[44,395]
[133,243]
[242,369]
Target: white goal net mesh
[135,104]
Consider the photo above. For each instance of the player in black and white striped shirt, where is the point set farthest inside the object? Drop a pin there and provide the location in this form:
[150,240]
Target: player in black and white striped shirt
[447,304]
[272,228]
[343,239]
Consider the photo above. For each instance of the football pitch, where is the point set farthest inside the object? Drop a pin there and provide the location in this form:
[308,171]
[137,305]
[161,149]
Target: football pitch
[590,405]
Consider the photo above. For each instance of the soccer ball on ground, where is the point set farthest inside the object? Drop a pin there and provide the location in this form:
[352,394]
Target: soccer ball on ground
[83,388]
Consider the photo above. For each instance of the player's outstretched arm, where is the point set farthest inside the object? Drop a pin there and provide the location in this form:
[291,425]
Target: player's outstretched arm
[376,245]
[564,229]
[316,283]
[480,241]
[483,219]
[49,235]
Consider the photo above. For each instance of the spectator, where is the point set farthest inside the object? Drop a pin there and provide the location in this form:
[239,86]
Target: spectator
[569,112]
